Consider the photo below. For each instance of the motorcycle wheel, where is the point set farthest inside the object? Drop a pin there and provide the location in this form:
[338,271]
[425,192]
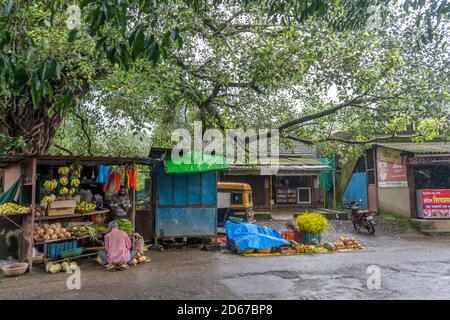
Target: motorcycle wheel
[370,227]
[355,226]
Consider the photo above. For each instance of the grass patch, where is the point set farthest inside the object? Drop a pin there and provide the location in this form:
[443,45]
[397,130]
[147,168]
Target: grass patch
[263,216]
[390,217]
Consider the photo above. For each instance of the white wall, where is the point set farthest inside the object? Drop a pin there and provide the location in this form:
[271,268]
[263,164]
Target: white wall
[395,200]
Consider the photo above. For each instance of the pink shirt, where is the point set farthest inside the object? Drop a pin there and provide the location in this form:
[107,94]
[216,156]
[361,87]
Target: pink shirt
[117,246]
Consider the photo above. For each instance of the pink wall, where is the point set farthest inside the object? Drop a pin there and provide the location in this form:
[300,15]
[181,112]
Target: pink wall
[372,193]
[12,173]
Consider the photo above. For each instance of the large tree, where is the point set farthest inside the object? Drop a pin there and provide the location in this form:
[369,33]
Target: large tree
[315,82]
[257,49]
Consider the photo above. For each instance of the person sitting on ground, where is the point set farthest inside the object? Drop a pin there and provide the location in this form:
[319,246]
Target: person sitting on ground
[117,247]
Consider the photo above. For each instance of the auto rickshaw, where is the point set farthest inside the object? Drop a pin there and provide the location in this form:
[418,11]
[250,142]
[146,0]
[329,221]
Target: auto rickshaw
[234,199]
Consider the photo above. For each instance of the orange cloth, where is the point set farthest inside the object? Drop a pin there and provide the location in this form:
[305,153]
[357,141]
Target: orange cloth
[117,246]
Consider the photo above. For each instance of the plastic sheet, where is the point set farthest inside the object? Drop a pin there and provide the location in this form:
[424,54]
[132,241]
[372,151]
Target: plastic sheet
[246,235]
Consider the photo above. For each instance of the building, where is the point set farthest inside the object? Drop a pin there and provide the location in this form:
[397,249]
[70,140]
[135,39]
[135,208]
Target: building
[409,179]
[292,183]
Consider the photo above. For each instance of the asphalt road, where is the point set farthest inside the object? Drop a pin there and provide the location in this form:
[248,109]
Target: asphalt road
[411,267]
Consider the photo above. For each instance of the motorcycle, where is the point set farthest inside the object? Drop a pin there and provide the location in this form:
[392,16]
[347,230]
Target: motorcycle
[361,218]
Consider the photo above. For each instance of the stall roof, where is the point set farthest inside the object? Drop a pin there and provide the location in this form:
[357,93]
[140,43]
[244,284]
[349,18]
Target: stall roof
[290,163]
[419,148]
[79,159]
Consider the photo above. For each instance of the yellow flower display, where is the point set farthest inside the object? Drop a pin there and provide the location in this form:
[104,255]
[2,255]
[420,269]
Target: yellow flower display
[312,222]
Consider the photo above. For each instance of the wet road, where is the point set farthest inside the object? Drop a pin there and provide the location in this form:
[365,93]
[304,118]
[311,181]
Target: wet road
[411,267]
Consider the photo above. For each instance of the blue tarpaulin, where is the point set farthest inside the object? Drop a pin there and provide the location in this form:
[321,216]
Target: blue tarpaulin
[246,235]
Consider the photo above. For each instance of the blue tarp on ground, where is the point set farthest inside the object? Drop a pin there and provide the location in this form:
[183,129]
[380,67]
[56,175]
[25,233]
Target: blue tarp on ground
[247,235]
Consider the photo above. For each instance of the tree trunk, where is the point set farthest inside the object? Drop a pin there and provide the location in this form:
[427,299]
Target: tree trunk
[35,126]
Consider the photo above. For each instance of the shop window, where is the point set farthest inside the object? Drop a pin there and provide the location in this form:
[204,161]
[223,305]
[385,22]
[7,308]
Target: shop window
[304,195]
[370,159]
[371,177]
[236,198]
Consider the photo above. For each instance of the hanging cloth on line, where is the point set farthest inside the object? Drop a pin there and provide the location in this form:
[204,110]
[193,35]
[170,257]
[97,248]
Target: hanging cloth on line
[117,180]
[12,194]
[103,174]
[113,184]
[131,179]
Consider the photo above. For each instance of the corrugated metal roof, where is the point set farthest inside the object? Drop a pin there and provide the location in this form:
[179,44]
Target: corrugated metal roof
[290,161]
[419,148]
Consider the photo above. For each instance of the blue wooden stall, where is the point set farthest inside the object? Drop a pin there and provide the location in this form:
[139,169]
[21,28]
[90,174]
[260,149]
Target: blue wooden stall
[186,204]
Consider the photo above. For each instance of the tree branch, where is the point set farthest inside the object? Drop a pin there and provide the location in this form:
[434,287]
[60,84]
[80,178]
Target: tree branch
[355,142]
[86,133]
[355,102]
[63,149]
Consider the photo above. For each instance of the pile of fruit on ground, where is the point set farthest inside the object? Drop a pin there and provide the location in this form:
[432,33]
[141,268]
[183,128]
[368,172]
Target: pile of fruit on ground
[48,232]
[51,267]
[346,242]
[13,208]
[139,259]
[313,248]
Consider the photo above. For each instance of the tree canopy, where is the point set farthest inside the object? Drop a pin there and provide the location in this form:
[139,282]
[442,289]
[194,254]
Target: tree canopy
[320,71]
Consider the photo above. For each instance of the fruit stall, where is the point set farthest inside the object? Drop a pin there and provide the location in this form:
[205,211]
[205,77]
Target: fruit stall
[57,206]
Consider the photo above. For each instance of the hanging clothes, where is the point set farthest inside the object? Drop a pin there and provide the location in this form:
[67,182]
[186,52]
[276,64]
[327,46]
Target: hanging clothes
[113,184]
[132,179]
[103,174]
[117,180]
[107,186]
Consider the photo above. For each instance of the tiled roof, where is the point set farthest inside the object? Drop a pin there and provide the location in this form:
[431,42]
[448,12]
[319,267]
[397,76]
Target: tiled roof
[420,148]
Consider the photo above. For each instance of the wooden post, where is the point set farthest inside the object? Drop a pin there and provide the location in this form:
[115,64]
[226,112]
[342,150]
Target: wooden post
[133,203]
[334,189]
[26,247]
[270,192]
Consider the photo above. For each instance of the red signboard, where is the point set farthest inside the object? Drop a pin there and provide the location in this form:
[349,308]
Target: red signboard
[436,203]
[392,175]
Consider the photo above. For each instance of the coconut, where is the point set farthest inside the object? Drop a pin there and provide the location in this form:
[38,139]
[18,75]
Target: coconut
[55,269]
[47,266]
[73,266]
[46,237]
[54,237]
[65,266]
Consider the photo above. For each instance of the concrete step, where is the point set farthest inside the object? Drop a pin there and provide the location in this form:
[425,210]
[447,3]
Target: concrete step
[440,226]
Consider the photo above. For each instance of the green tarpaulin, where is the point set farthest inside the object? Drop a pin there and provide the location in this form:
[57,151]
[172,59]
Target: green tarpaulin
[10,194]
[194,162]
[326,176]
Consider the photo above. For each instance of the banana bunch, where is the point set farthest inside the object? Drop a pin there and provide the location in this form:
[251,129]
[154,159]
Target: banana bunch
[75,182]
[13,208]
[49,198]
[50,185]
[85,206]
[75,170]
[63,191]
[63,170]
[63,181]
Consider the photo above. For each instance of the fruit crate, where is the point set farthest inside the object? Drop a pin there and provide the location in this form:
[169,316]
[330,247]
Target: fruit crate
[288,235]
[55,248]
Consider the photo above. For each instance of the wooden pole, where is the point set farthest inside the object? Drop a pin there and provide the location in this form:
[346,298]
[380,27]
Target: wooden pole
[133,203]
[334,189]
[270,192]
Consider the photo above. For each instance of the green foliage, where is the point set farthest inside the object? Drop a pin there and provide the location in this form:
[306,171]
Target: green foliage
[314,223]
[247,63]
